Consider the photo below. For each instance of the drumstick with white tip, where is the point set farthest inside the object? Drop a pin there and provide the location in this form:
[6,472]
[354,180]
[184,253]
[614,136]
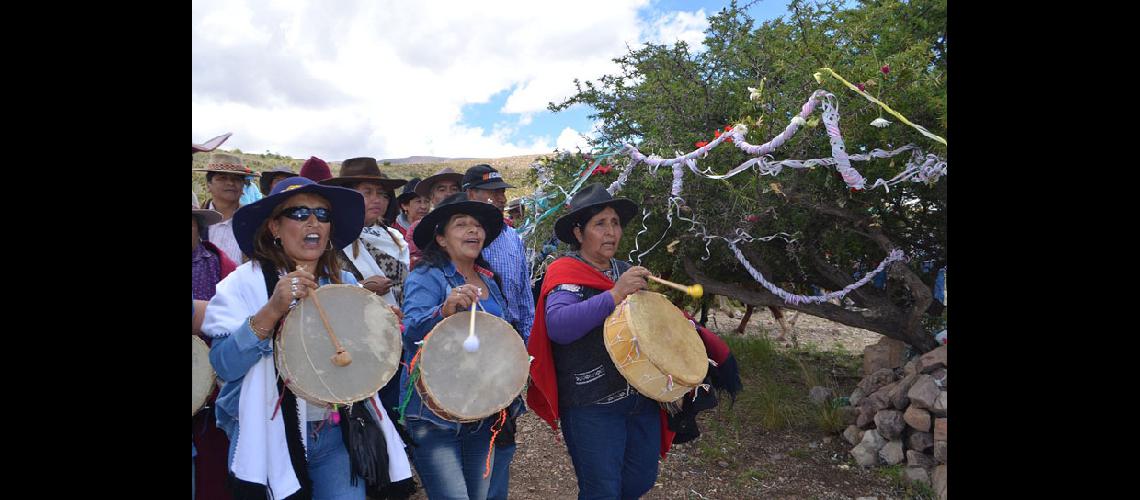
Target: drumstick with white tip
[342,357]
[471,344]
[695,290]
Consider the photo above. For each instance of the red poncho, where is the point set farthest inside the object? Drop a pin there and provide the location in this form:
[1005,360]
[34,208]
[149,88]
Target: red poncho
[542,395]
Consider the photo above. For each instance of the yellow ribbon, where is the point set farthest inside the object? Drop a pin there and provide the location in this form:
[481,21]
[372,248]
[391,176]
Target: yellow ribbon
[888,109]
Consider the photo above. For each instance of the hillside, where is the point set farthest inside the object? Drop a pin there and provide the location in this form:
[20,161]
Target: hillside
[513,168]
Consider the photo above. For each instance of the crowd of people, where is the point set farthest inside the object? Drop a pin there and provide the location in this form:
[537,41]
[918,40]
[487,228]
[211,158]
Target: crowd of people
[445,244]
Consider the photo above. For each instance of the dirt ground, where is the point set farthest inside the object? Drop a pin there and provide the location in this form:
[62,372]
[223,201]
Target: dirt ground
[795,463]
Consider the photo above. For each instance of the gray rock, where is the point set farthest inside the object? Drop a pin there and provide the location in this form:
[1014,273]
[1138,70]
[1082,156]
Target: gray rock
[932,360]
[911,367]
[923,393]
[848,414]
[890,424]
[939,482]
[939,409]
[887,353]
[918,459]
[874,381]
[872,439]
[916,475]
[920,441]
[853,435]
[865,456]
[856,396]
[940,451]
[892,452]
[939,377]
[917,418]
[940,429]
[820,395]
[866,418]
[898,397]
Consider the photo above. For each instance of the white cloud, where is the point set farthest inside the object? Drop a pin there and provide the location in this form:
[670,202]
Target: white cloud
[571,140]
[390,78]
[688,27]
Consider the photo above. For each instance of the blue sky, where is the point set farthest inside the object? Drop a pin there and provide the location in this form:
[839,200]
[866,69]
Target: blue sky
[388,78]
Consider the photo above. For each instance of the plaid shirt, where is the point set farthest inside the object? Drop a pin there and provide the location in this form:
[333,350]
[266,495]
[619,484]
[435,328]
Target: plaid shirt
[507,257]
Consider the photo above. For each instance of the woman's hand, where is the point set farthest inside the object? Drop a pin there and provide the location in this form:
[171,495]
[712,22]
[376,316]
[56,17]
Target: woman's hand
[399,314]
[295,285]
[460,298]
[630,281]
[377,284]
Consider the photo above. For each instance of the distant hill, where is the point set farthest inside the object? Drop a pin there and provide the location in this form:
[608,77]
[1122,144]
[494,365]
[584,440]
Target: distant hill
[513,168]
[418,159]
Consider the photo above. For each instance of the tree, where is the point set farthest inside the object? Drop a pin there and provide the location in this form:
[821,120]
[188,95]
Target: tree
[666,98]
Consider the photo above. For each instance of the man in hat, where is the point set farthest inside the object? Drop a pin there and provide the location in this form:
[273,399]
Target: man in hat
[515,212]
[225,181]
[435,188]
[270,178]
[507,257]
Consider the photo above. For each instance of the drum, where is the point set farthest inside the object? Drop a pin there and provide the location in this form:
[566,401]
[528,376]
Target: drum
[463,386]
[202,374]
[363,324]
[655,347]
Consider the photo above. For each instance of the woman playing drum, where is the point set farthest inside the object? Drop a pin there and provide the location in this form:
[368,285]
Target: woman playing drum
[299,225]
[613,433]
[449,456]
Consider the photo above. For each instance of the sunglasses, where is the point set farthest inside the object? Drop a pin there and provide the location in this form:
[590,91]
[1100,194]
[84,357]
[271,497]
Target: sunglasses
[302,213]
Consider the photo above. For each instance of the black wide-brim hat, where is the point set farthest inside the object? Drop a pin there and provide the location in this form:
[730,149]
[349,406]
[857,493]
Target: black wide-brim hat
[346,205]
[267,177]
[409,191]
[487,215]
[591,196]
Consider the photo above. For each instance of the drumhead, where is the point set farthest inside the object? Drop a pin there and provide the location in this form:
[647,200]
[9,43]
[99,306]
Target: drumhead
[201,373]
[363,324]
[667,338]
[469,386]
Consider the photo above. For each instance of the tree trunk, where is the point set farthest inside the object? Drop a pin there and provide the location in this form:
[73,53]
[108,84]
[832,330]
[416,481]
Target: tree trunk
[893,322]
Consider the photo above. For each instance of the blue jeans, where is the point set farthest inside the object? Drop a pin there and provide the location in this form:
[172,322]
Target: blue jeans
[501,472]
[329,467]
[450,463]
[614,447]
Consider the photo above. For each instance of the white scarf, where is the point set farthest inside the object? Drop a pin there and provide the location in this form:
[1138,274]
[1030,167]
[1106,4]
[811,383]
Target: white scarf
[261,454]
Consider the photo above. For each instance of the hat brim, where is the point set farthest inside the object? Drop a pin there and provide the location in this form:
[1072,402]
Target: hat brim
[207,216]
[424,187]
[493,185]
[403,198]
[347,214]
[563,227]
[487,215]
[388,184]
[223,171]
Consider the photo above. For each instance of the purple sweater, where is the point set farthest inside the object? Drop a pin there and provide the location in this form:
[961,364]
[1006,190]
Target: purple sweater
[569,319]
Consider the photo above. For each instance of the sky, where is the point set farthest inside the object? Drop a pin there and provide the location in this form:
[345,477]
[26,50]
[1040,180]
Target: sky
[339,79]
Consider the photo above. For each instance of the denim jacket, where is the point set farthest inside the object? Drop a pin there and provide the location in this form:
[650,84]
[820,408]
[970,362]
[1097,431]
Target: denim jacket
[424,292]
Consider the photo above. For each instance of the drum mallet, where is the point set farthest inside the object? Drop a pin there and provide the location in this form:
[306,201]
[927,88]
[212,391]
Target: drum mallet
[695,290]
[342,357]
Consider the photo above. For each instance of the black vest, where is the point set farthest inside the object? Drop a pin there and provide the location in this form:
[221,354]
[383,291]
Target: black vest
[585,373]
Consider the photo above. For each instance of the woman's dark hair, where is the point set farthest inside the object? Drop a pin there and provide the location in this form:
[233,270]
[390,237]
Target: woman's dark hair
[581,220]
[266,250]
[435,256]
[203,229]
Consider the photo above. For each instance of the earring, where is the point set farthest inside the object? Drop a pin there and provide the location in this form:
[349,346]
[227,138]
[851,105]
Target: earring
[329,247]
[277,241]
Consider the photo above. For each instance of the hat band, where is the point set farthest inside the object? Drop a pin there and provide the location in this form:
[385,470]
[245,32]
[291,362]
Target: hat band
[228,167]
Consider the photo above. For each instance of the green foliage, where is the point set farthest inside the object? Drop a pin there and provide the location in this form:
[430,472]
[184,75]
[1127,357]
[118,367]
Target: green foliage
[666,98]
